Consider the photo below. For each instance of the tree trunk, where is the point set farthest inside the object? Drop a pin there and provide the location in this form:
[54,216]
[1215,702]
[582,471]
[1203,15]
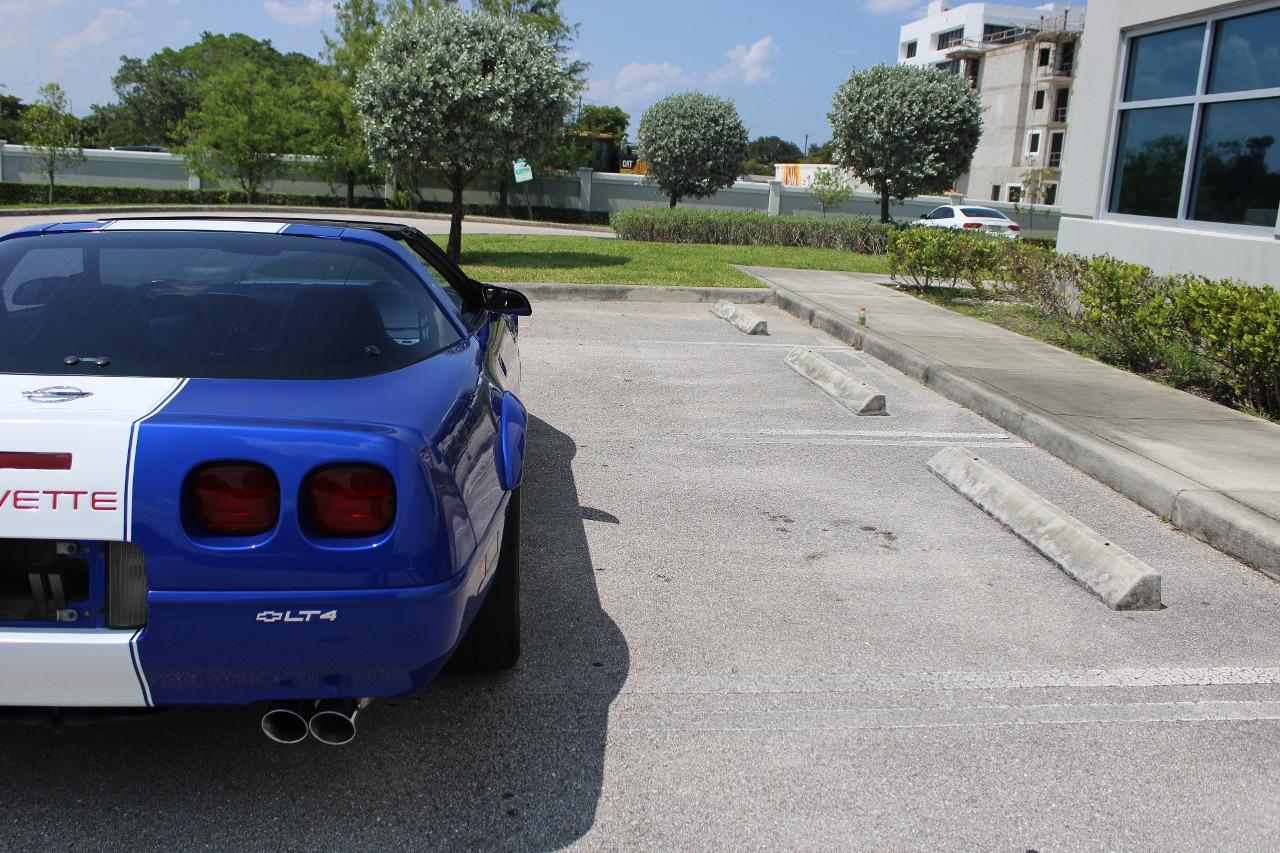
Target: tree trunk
[674,198]
[456,212]
[884,205]
[503,189]
[351,188]
[51,186]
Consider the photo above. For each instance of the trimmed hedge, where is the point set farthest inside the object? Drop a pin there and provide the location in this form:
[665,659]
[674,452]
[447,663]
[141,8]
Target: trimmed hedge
[751,228]
[1188,330]
[931,257]
[70,194]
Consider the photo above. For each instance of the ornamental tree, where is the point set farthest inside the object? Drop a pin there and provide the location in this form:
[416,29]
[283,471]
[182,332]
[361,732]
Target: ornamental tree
[829,189]
[694,144]
[52,133]
[453,92]
[905,129]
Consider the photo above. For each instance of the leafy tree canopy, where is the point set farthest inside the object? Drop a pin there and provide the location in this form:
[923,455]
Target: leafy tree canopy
[246,116]
[770,150]
[156,94]
[595,118]
[456,92]
[905,129]
[11,110]
[694,144]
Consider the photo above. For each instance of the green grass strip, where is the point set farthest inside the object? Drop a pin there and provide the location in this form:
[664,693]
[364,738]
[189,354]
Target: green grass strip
[591,260]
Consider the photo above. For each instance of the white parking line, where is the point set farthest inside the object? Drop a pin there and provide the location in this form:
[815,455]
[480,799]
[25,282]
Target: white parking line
[875,442]
[877,433]
[559,343]
[862,682]
[825,719]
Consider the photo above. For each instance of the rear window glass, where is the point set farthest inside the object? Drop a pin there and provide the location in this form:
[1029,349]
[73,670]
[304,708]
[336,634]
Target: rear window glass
[205,304]
[982,213]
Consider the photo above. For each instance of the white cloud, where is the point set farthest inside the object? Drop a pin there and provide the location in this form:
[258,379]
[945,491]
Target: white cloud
[298,13]
[109,25]
[639,80]
[885,7]
[748,64]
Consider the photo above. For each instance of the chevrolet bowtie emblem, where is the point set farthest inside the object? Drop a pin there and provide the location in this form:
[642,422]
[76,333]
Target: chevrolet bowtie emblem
[56,394]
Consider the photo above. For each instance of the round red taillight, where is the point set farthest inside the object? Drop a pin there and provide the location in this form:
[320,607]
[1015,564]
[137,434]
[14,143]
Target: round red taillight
[351,500]
[234,498]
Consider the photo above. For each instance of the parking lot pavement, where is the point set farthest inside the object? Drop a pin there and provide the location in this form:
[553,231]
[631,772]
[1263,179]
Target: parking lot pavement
[752,620]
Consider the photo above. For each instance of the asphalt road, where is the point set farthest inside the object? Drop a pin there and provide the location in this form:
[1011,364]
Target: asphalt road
[753,621]
[427,225]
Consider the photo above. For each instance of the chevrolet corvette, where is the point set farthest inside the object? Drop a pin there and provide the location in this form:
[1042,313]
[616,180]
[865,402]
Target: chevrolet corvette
[253,461]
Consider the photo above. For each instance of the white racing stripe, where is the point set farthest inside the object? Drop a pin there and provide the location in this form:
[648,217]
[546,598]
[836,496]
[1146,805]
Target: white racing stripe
[73,668]
[225,224]
[92,499]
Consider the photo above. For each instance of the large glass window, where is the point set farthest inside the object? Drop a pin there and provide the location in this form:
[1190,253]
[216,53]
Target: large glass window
[1164,65]
[1238,169]
[1150,159]
[1200,143]
[1246,53]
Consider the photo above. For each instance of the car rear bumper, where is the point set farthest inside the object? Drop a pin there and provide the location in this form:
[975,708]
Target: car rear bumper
[233,648]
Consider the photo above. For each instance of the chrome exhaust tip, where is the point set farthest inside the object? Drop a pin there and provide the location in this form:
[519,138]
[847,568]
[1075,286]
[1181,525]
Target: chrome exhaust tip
[334,722]
[285,724]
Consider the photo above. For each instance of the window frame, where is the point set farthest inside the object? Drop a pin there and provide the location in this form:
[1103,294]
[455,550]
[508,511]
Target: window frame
[957,32]
[1197,101]
[1032,146]
[910,49]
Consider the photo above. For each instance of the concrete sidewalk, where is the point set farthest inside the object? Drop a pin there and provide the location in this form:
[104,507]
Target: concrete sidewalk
[1210,470]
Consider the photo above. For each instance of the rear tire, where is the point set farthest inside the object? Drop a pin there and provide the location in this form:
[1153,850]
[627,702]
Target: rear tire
[493,642]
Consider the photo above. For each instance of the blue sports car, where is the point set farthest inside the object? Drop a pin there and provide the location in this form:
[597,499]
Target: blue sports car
[253,461]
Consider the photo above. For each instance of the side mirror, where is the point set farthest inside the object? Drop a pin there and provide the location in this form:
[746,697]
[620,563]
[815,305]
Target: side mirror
[924,216]
[504,300]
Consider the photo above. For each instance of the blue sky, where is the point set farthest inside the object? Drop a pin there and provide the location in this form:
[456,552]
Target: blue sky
[779,63]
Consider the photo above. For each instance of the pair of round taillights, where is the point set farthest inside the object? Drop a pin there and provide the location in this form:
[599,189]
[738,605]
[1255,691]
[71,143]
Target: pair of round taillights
[243,499]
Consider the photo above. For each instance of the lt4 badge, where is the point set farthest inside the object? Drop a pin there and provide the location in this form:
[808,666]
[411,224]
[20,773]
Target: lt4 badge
[297,616]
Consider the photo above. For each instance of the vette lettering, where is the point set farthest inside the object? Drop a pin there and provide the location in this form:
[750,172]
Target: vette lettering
[42,500]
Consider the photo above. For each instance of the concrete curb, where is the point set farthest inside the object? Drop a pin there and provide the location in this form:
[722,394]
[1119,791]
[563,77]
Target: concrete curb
[1221,521]
[1121,580]
[740,318]
[858,397]
[642,293]
[336,212]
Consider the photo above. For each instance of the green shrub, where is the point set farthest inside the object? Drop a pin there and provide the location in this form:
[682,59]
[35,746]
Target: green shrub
[1042,278]
[1126,309]
[1238,328]
[942,257]
[751,228]
[1220,338]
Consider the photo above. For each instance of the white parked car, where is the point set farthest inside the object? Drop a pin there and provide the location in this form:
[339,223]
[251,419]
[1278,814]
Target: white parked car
[970,218]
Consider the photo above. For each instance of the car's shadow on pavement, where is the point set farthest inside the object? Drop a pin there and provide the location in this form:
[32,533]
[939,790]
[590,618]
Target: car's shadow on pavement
[513,761]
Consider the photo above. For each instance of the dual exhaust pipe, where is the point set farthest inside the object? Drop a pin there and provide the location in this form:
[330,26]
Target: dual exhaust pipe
[330,721]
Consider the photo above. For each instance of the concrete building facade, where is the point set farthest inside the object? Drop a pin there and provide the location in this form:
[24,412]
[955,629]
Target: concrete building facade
[1175,153]
[1023,63]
